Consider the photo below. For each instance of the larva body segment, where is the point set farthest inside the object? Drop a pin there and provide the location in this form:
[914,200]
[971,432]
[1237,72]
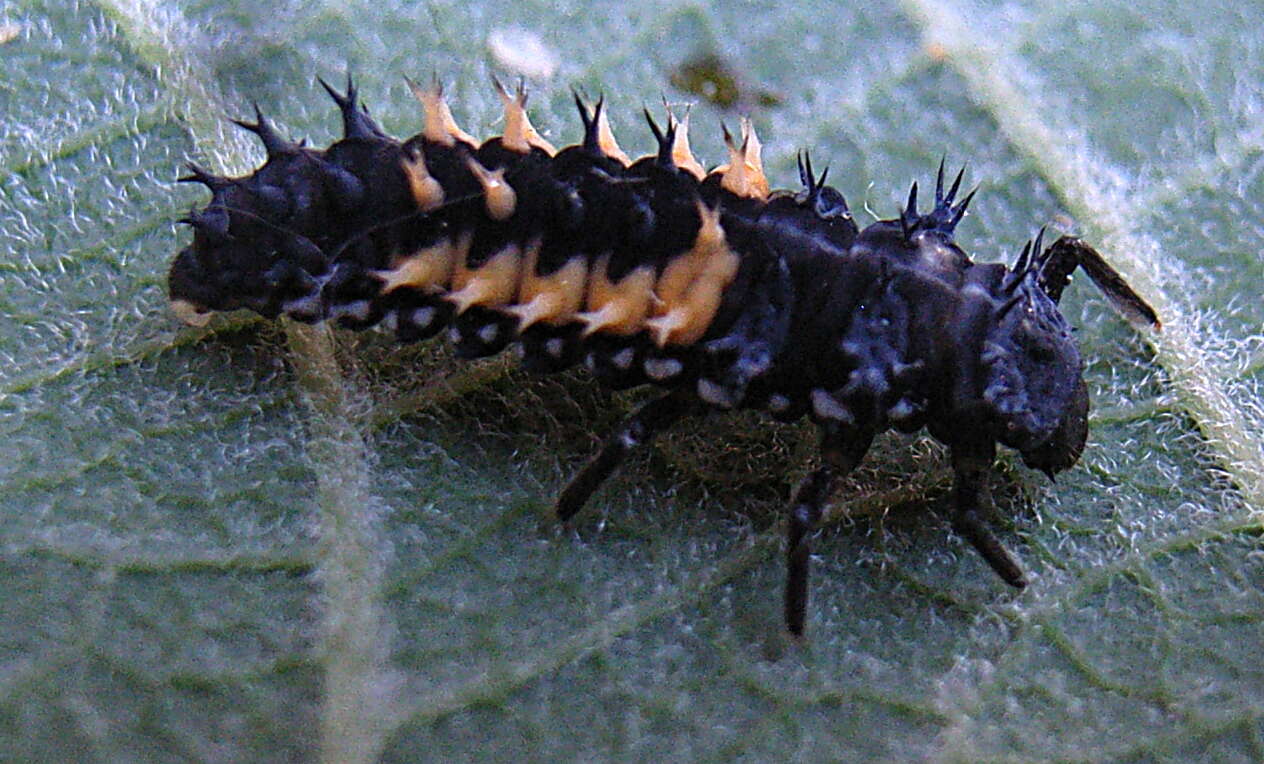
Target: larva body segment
[651,271]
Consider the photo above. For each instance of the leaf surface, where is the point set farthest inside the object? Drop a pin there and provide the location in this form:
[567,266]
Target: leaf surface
[267,542]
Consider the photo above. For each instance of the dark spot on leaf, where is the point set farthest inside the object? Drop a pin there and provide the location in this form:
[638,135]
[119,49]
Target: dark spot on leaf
[711,78]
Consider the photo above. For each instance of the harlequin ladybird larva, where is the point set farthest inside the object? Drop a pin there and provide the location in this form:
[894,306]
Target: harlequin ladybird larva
[655,271]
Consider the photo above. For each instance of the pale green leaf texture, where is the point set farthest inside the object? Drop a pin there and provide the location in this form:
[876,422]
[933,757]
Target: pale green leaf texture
[260,542]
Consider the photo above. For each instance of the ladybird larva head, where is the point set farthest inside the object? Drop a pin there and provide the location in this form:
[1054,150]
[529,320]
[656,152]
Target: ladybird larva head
[1063,448]
[190,287]
[230,266]
[1033,385]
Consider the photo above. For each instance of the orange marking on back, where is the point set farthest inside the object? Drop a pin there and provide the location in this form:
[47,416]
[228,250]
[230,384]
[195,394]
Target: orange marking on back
[440,127]
[428,268]
[688,323]
[682,155]
[734,178]
[493,285]
[744,173]
[520,136]
[617,308]
[426,191]
[606,142]
[553,299]
[692,286]
[500,198]
[753,157]
[684,268]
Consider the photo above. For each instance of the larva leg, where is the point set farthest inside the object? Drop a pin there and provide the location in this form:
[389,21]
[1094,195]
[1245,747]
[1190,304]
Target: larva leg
[805,513]
[638,430]
[1054,267]
[841,455]
[970,468]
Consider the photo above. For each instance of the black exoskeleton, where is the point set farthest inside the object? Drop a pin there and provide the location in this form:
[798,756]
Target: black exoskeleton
[657,272]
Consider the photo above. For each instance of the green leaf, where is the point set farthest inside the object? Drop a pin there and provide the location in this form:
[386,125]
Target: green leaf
[270,542]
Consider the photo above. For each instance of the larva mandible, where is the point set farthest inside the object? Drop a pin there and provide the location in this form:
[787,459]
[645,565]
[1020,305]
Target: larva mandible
[655,271]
